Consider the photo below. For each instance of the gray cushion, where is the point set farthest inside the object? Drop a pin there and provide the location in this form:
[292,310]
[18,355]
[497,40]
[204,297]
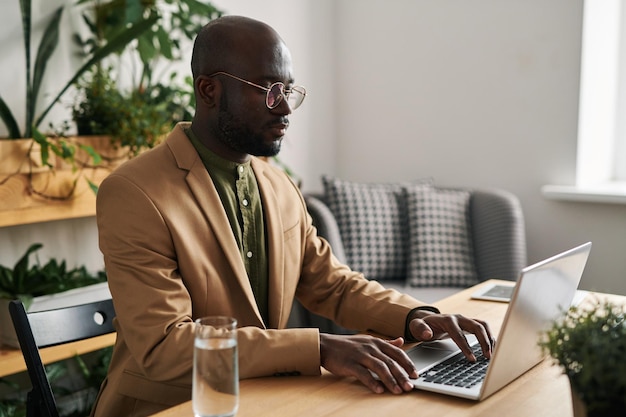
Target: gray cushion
[440,244]
[372,221]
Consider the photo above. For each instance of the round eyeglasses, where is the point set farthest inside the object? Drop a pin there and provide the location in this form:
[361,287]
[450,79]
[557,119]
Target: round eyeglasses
[275,93]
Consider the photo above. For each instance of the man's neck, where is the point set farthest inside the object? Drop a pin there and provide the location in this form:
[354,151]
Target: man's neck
[218,147]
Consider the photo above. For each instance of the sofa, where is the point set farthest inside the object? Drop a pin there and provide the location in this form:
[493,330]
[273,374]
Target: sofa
[418,238]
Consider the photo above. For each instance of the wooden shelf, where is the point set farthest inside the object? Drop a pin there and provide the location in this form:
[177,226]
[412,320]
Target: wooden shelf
[74,209]
[32,193]
[12,361]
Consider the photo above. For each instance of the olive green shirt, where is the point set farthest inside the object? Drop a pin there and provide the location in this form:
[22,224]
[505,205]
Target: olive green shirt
[239,192]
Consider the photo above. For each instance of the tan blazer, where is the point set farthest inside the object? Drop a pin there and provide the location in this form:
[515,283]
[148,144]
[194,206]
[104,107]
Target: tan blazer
[171,257]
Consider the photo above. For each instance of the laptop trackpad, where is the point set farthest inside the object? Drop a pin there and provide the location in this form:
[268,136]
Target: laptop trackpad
[429,353]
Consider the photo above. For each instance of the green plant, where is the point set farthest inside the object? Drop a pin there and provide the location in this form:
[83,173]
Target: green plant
[176,22]
[47,46]
[590,346]
[11,406]
[137,119]
[85,381]
[139,115]
[24,281]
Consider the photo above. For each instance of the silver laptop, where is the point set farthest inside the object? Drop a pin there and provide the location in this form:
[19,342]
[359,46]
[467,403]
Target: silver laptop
[542,292]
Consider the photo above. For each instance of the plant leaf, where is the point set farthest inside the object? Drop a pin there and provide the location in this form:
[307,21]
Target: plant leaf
[94,187]
[48,44]
[146,48]
[26,299]
[22,263]
[41,139]
[114,45]
[133,11]
[95,156]
[9,120]
[26,9]
[165,43]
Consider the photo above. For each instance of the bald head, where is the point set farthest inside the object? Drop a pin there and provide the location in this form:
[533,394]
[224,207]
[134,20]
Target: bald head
[229,43]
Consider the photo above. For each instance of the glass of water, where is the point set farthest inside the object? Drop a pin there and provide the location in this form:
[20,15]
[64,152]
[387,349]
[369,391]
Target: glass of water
[215,367]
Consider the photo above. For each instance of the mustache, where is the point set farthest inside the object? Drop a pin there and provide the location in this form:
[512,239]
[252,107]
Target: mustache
[279,121]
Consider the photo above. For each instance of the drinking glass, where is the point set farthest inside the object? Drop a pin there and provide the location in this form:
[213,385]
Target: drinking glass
[215,390]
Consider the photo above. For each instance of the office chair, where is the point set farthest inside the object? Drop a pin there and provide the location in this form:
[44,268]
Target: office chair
[40,329]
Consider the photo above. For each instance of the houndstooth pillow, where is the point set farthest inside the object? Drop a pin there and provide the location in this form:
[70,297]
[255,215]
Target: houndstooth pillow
[441,250]
[372,222]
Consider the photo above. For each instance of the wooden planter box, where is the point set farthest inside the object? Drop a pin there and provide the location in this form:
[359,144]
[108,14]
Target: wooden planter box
[76,296]
[30,192]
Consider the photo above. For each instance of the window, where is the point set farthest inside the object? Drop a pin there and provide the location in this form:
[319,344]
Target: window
[601,154]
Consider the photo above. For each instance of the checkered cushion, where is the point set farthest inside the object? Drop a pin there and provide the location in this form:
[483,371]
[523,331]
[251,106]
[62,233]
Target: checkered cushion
[372,222]
[441,251]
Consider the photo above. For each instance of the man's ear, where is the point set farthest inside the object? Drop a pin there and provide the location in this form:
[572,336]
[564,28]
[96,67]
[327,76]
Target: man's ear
[207,91]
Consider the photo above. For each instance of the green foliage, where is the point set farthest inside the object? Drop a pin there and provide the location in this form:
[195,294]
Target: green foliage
[590,346]
[94,374]
[137,119]
[24,281]
[64,149]
[90,377]
[11,407]
[176,21]
[45,50]
[139,116]
[47,46]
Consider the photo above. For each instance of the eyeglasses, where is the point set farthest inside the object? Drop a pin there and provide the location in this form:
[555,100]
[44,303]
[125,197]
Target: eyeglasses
[275,93]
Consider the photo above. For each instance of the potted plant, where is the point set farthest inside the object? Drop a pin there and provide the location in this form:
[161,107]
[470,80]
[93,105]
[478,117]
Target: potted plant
[133,120]
[29,156]
[137,108]
[43,287]
[590,346]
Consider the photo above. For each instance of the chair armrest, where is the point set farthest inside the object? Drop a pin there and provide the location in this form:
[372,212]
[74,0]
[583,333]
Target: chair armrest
[499,236]
[324,221]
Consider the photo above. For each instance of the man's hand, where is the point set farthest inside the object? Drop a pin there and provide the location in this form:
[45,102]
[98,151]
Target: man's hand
[425,325]
[363,356]
[359,356]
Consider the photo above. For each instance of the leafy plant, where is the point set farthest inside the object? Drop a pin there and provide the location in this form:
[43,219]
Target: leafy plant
[140,115]
[47,46]
[87,384]
[137,119]
[13,406]
[590,346]
[176,21]
[25,282]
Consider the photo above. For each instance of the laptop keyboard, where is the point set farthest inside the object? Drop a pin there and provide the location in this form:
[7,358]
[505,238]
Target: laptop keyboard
[458,371]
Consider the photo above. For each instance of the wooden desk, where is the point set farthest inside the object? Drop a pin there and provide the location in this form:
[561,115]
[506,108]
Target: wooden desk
[543,391]
[12,361]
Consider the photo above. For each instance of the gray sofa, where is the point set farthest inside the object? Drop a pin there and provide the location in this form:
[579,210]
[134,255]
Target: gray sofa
[496,221]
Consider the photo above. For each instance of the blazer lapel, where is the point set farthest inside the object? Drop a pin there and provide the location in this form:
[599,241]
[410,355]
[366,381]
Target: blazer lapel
[209,202]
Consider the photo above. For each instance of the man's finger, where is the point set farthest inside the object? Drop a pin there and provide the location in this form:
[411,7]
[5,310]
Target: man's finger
[420,330]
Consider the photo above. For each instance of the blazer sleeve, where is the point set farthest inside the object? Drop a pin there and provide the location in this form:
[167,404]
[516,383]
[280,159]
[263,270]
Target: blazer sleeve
[331,289]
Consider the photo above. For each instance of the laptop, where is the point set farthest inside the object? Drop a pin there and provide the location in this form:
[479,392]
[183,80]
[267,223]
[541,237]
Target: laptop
[542,293]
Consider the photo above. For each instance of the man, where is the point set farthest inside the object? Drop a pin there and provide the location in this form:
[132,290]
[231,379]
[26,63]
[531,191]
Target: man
[199,227]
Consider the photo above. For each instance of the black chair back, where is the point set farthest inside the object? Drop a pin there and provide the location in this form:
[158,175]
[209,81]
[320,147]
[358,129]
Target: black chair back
[54,327]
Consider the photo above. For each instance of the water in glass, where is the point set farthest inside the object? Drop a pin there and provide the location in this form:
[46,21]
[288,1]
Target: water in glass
[215,374]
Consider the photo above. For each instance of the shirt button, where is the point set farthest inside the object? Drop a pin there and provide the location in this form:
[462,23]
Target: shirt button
[245,202]
[240,169]
[249,254]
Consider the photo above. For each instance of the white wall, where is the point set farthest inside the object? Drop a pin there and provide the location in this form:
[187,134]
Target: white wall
[478,93]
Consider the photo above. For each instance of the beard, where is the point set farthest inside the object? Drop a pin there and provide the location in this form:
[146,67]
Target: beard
[234,133]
